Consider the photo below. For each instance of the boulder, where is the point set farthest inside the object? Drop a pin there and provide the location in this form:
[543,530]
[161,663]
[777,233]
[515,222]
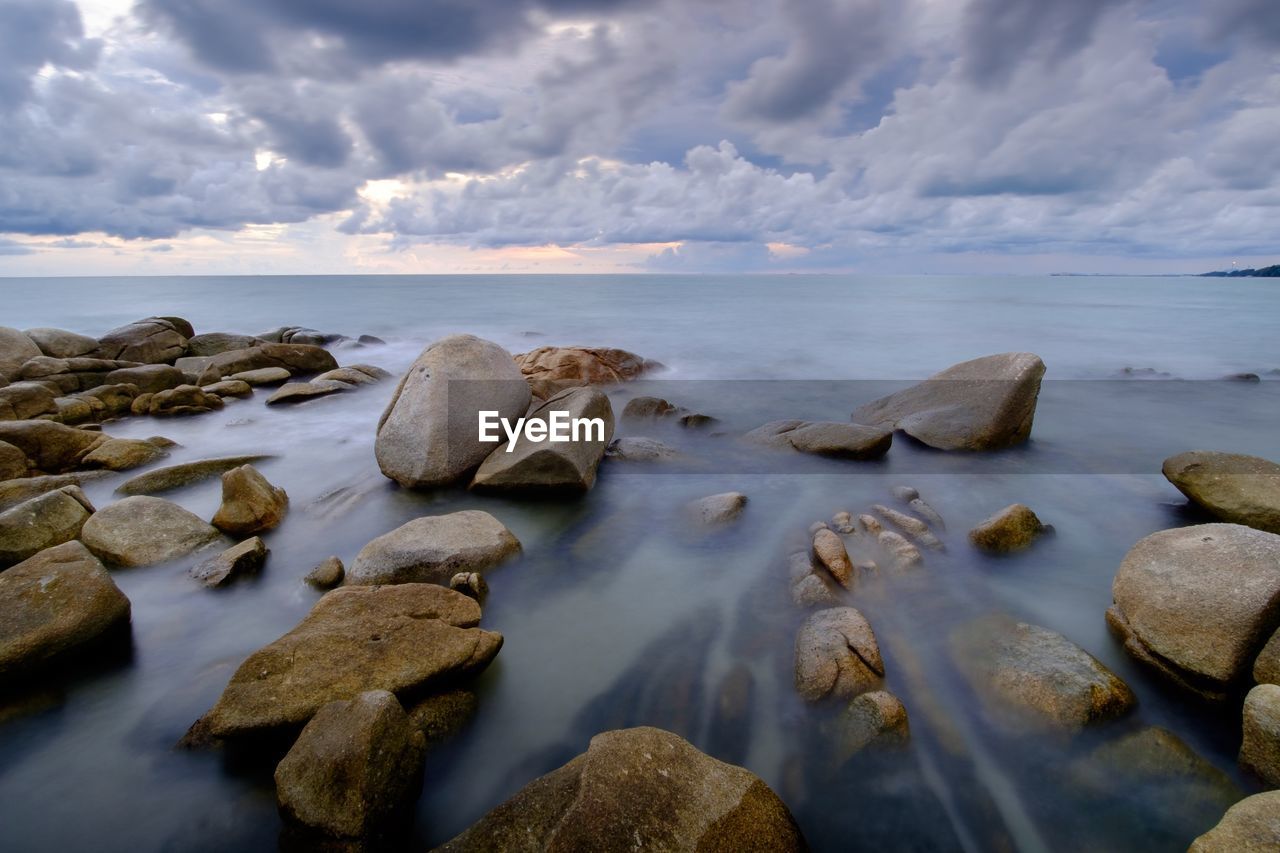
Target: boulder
[1198,603]
[550,370]
[1260,748]
[14,492]
[442,715]
[15,350]
[22,400]
[470,584]
[638,789]
[1250,826]
[238,560]
[1032,677]
[182,400]
[250,504]
[716,510]
[111,400]
[149,378]
[121,454]
[295,358]
[433,549]
[349,375]
[429,433]
[876,719]
[357,763]
[327,574]
[216,343]
[13,462]
[185,474]
[155,340]
[829,549]
[59,343]
[372,371]
[837,655]
[648,408]
[263,376]
[1235,488]
[406,638]
[42,522]
[984,404]
[1011,529]
[807,588]
[296,392]
[639,449]
[549,467]
[229,388]
[53,604]
[824,438]
[141,531]
[72,410]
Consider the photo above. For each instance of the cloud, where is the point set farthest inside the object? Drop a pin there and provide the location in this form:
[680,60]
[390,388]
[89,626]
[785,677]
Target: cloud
[998,35]
[34,33]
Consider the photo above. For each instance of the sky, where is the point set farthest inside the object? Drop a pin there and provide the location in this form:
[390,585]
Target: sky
[597,136]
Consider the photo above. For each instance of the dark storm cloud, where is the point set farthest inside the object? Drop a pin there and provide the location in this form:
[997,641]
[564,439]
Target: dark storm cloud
[998,35]
[1255,20]
[34,33]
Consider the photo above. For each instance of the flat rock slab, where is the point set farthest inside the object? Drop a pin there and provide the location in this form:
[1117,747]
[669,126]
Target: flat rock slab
[262,376]
[177,476]
[53,604]
[399,638]
[297,392]
[142,531]
[1233,487]
[433,549]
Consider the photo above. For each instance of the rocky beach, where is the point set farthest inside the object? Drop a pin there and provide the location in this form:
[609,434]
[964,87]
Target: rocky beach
[273,588]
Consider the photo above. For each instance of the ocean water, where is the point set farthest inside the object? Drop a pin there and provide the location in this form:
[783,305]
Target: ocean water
[617,614]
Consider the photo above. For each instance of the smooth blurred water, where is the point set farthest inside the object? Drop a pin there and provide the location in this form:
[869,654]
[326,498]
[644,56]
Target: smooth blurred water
[617,614]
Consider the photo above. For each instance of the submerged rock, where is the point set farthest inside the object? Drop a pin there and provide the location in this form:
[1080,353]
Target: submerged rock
[635,789]
[327,574]
[176,476]
[903,554]
[42,522]
[1011,529]
[297,392]
[837,655]
[53,604]
[808,589]
[243,559]
[1235,488]
[1198,603]
[250,504]
[429,432]
[828,547]
[984,404]
[433,549]
[630,448]
[876,719]
[716,510]
[142,531]
[404,638]
[550,370]
[1260,749]
[825,438]
[1253,824]
[909,524]
[356,764]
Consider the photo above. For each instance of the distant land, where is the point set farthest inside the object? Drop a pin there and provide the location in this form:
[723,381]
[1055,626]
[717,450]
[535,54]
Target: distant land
[1272,271]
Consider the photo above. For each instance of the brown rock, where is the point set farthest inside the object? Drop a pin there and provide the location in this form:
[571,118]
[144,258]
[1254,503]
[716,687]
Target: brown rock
[250,504]
[121,454]
[296,358]
[433,549]
[182,400]
[550,370]
[875,719]
[23,400]
[59,343]
[1233,487]
[149,378]
[297,392]
[15,350]
[229,388]
[825,438]
[239,560]
[1011,529]
[42,522]
[13,462]
[328,574]
[177,476]
[1260,749]
[262,376]
[141,531]
[836,655]
[828,547]
[155,340]
[1250,826]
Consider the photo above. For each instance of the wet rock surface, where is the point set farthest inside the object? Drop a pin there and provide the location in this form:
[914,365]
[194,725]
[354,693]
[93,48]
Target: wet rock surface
[433,549]
[142,531]
[1235,488]
[836,655]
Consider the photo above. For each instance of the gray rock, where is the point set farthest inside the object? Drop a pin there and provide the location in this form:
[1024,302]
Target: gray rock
[1260,749]
[1011,529]
[327,574]
[237,561]
[179,401]
[54,604]
[149,378]
[903,554]
[42,522]
[825,438]
[263,376]
[984,404]
[716,510]
[1235,488]
[155,340]
[22,400]
[15,350]
[141,531]
[639,449]
[1250,826]
[14,492]
[296,358]
[648,408]
[216,343]
[297,392]
[433,549]
[349,375]
[837,655]
[429,433]
[356,764]
[185,474]
[250,504]
[59,343]
[1198,603]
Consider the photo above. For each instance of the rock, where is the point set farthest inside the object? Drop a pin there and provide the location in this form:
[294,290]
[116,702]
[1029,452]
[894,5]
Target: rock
[42,522]
[984,404]
[121,454]
[1250,826]
[433,549]
[13,462]
[930,514]
[870,524]
[14,492]
[59,343]
[807,588]
[371,370]
[176,476]
[1266,666]
[297,392]
[428,434]
[23,400]
[825,438]
[53,604]
[1242,377]
[1198,603]
[404,638]
[903,553]
[550,370]
[470,584]
[149,378]
[72,410]
[639,449]
[912,526]
[828,547]
[875,719]
[141,531]
[1011,529]
[442,715]
[216,343]
[349,375]
[155,340]
[15,350]
[357,763]
[548,467]
[906,494]
[1260,749]
[326,575]
[1235,488]
[183,400]
[716,510]
[1031,676]
[110,400]
[229,388]
[239,560]
[263,376]
[250,504]
[296,358]
[837,655]
[638,789]
[648,408]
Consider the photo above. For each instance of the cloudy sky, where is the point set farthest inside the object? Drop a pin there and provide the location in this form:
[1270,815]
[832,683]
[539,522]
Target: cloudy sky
[333,136]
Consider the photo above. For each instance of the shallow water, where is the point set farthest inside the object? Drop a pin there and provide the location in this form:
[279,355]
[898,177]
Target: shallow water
[618,615]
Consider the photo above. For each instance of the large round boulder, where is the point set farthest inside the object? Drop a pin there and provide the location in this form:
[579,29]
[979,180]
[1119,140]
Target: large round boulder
[1198,603]
[15,350]
[52,448]
[23,400]
[250,504]
[141,531]
[433,549]
[216,343]
[155,340]
[552,369]
[984,404]
[429,433]
[149,378]
[638,789]
[42,522]
[59,343]
[1233,487]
